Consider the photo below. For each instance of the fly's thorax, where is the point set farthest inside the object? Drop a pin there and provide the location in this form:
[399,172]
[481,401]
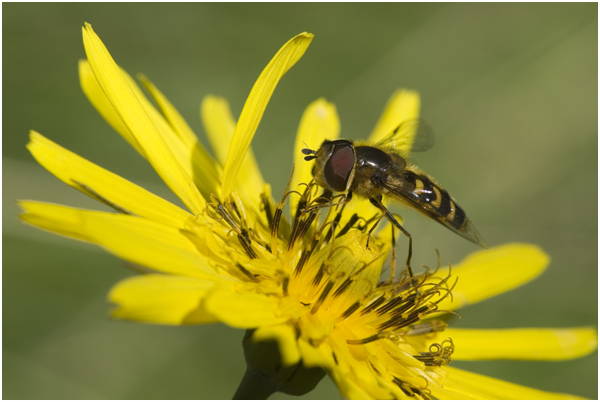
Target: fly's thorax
[334,165]
[378,159]
[374,166]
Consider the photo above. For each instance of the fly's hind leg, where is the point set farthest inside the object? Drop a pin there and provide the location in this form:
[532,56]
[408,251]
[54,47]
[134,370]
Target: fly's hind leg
[377,202]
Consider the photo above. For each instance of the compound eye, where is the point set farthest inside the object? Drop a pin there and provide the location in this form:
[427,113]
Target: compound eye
[339,166]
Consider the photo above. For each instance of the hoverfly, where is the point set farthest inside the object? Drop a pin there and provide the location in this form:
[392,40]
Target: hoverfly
[383,169]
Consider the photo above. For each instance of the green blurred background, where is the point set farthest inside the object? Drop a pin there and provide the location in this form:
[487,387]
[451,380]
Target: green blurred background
[510,90]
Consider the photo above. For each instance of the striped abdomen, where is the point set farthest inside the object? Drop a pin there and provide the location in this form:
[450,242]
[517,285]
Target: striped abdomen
[419,191]
[434,199]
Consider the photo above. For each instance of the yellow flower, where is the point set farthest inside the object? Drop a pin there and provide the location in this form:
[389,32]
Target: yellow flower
[310,285]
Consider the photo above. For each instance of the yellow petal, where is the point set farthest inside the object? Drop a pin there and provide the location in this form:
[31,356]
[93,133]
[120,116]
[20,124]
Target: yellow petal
[487,273]
[51,217]
[143,242]
[131,112]
[103,185]
[206,172]
[460,384]
[243,308]
[285,336]
[205,177]
[404,105]
[256,103]
[522,343]
[161,299]
[98,99]
[322,356]
[319,122]
[182,152]
[219,126]
[176,121]
[315,356]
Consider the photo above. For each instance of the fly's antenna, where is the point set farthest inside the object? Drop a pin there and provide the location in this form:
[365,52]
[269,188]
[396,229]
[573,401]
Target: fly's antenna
[310,153]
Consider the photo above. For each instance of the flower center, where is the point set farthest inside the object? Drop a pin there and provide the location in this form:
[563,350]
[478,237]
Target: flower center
[332,272]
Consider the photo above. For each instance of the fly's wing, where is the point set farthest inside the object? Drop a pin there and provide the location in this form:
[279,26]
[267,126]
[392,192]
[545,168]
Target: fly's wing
[420,192]
[410,136]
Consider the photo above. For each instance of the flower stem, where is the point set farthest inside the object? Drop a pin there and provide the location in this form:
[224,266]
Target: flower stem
[254,386]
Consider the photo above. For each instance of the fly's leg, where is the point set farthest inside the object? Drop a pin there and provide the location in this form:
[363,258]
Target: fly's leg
[413,281]
[388,214]
[393,262]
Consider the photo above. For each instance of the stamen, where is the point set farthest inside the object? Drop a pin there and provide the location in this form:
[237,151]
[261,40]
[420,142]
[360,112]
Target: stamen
[343,287]
[395,302]
[412,391]
[303,258]
[380,335]
[319,275]
[274,224]
[260,241]
[370,339]
[266,206]
[245,242]
[374,305]
[335,222]
[304,199]
[322,297]
[224,214]
[425,328]
[350,310]
[333,225]
[235,209]
[211,214]
[247,273]
[243,237]
[448,291]
[303,228]
[402,320]
[438,354]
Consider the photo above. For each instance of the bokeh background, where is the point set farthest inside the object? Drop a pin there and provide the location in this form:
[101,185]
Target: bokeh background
[510,90]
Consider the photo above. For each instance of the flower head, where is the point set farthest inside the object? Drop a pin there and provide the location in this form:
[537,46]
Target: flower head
[311,285]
